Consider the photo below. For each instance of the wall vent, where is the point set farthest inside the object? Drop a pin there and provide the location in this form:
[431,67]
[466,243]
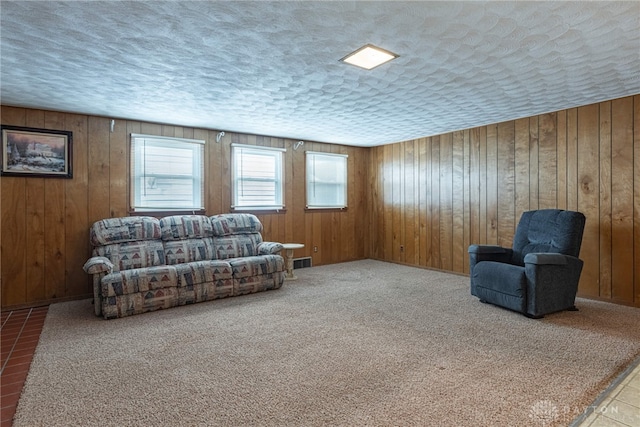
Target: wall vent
[301,262]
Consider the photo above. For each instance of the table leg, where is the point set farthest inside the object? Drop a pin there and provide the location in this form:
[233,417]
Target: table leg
[289,256]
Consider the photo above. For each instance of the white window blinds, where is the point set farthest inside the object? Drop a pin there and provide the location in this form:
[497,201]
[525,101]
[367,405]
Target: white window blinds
[326,180]
[166,173]
[257,177]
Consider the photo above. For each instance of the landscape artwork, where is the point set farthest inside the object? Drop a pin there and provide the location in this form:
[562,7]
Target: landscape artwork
[36,152]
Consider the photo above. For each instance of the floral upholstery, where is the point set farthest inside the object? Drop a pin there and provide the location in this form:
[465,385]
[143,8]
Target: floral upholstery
[226,224]
[139,280]
[142,264]
[256,265]
[185,227]
[127,229]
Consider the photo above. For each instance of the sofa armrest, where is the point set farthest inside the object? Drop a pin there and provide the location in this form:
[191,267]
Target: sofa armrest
[98,264]
[269,248]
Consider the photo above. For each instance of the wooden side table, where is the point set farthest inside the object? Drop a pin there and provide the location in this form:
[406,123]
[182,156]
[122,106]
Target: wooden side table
[289,247]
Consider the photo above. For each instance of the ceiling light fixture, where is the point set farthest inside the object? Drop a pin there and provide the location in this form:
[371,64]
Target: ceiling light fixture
[369,57]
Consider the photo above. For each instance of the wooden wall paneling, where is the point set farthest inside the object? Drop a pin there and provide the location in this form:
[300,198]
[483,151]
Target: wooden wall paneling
[225,163]
[15,116]
[466,219]
[588,198]
[446,201]
[213,170]
[424,193]
[363,208]
[492,185]
[168,130]
[521,159]
[547,162]
[396,204]
[604,216]
[310,241]
[375,186]
[338,250]
[317,221]
[409,204]
[356,197]
[99,171]
[636,199]
[561,146]
[14,241]
[35,223]
[434,208]
[506,183]
[415,193]
[474,186]
[572,159]
[416,205]
[202,135]
[298,225]
[482,182]
[35,241]
[119,155]
[76,209]
[534,165]
[387,196]
[130,127]
[55,227]
[281,218]
[457,202]
[622,199]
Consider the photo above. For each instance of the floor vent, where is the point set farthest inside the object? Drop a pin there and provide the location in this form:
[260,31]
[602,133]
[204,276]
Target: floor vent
[301,262]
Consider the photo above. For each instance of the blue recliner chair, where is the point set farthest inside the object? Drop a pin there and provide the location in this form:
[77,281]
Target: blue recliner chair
[540,274]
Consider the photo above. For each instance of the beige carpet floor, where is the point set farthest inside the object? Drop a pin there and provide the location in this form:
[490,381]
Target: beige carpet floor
[364,343]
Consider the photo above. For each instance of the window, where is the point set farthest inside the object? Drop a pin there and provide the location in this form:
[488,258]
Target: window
[326,180]
[166,173]
[257,177]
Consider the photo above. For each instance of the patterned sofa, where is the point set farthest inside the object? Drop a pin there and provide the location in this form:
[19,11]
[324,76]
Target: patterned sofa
[141,263]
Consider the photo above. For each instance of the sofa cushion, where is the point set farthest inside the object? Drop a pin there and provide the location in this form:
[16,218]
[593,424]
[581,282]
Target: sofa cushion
[226,224]
[188,250]
[177,227]
[256,265]
[139,280]
[138,254]
[126,229]
[193,273]
[239,245]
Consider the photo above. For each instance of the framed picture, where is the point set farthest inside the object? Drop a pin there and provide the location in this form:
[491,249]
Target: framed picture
[36,152]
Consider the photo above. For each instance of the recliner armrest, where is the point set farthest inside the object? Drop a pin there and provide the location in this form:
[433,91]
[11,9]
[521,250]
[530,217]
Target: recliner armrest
[269,248]
[98,264]
[545,258]
[480,253]
[487,249]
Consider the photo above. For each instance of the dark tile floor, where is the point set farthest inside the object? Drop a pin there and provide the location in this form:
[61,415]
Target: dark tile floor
[20,332]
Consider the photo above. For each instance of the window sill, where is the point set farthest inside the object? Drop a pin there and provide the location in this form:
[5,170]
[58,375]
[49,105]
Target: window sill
[160,213]
[307,209]
[258,211]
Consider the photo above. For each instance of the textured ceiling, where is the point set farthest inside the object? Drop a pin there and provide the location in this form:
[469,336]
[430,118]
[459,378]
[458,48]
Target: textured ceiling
[272,68]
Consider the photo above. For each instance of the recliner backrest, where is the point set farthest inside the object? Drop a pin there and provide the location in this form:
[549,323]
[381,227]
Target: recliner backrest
[129,242]
[236,235]
[548,230]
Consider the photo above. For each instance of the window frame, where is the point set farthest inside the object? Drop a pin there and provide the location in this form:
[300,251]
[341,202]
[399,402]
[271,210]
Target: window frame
[310,184]
[279,177]
[196,146]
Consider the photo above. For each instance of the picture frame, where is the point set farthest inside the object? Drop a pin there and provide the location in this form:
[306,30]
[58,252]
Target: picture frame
[33,152]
